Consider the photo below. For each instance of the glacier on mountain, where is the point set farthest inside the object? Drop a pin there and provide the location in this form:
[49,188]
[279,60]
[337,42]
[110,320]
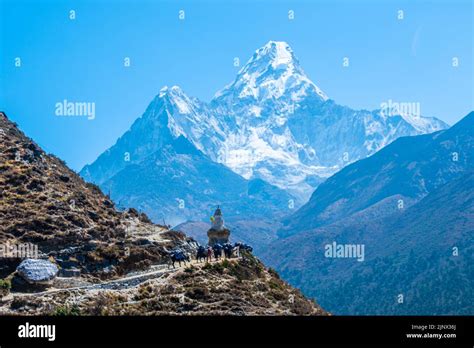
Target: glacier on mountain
[271,123]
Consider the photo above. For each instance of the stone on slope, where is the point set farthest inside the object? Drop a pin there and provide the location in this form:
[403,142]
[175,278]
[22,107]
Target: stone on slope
[37,271]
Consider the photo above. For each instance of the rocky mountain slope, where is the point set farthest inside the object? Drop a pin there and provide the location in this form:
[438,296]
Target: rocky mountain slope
[119,255]
[400,174]
[44,203]
[422,251]
[235,287]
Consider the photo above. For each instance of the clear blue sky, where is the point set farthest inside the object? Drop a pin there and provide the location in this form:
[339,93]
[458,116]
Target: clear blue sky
[82,59]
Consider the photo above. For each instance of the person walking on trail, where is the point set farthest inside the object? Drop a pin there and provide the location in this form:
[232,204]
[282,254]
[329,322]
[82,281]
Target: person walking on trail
[209,254]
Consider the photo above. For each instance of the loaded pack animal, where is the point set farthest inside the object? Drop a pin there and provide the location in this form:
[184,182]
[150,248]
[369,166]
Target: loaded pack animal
[201,253]
[178,256]
[243,246]
[228,248]
[217,250]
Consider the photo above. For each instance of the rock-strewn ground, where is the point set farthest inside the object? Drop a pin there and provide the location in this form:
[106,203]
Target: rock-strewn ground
[121,256]
[44,203]
[230,287]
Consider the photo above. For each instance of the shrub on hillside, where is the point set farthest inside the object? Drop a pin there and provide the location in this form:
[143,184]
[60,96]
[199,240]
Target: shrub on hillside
[5,286]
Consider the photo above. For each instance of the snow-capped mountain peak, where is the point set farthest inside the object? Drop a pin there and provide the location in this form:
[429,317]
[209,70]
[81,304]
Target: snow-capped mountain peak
[165,90]
[271,73]
[177,98]
[271,123]
[277,54]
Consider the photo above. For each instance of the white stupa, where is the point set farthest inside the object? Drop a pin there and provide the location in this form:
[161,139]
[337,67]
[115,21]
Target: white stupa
[218,233]
[217,220]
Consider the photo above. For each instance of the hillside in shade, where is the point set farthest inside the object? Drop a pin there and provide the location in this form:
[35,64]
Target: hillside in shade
[406,170]
[422,250]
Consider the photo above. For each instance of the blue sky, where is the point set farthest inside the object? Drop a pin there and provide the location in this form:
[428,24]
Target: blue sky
[407,60]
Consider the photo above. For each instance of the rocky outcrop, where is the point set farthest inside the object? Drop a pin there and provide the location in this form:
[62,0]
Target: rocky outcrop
[37,271]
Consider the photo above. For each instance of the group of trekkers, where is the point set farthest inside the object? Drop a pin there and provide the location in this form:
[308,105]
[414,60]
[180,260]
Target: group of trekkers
[206,253]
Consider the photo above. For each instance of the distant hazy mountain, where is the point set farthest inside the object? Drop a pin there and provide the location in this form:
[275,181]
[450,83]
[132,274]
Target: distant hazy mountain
[178,183]
[406,171]
[169,116]
[409,249]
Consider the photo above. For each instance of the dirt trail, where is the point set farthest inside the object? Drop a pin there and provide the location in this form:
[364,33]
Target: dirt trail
[126,282]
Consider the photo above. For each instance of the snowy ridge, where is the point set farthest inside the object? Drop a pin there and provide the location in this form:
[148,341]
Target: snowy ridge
[273,123]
